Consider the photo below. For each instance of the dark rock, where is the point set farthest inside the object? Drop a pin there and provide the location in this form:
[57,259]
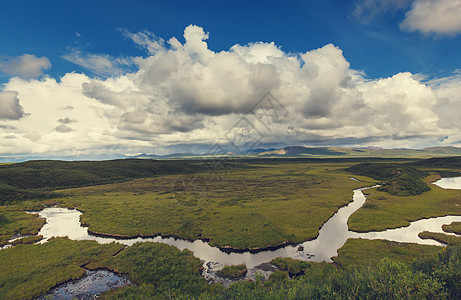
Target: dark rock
[266,267]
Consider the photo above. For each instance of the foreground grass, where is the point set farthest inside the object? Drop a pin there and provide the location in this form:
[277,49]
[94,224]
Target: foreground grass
[382,210]
[436,276]
[161,271]
[369,269]
[28,271]
[387,280]
[156,269]
[261,206]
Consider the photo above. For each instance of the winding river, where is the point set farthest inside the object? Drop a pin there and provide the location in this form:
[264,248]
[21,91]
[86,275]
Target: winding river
[332,236]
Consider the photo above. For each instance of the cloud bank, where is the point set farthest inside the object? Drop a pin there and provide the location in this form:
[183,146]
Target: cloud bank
[184,96]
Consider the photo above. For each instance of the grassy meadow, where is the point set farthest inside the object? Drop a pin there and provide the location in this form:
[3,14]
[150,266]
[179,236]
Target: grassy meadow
[261,206]
[371,252]
[255,203]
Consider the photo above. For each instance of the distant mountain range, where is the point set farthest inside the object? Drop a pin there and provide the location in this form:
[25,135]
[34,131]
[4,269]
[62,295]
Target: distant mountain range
[302,151]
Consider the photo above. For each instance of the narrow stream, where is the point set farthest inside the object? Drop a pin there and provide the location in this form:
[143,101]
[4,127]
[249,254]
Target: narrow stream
[334,233]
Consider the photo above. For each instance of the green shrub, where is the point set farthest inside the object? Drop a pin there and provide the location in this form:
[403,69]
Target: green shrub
[278,276]
[292,266]
[3,219]
[446,268]
[236,271]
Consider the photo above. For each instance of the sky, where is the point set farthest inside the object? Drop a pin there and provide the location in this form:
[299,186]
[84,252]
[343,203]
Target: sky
[105,79]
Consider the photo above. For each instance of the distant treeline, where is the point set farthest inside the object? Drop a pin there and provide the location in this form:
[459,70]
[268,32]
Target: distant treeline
[439,162]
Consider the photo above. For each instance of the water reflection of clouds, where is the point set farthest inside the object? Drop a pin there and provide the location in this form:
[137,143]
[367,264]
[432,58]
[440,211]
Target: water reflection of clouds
[449,183]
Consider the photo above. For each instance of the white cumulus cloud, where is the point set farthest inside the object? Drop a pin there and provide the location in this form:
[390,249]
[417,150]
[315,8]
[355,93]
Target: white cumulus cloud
[433,16]
[184,95]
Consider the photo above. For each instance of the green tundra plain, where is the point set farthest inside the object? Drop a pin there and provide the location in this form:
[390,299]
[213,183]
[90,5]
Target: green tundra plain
[247,204]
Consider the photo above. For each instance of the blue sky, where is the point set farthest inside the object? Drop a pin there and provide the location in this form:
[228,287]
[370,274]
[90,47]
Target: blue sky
[321,58]
[380,48]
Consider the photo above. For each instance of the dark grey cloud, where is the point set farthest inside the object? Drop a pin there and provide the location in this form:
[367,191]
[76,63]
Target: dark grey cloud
[9,127]
[320,103]
[10,107]
[66,121]
[63,128]
[165,124]
[123,99]
[135,117]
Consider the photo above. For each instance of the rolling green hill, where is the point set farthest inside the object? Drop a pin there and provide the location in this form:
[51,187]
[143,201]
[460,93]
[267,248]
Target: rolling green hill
[301,151]
[440,162]
[398,179]
[35,179]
